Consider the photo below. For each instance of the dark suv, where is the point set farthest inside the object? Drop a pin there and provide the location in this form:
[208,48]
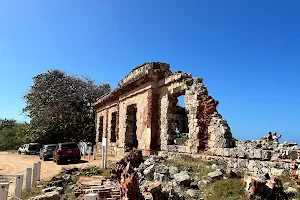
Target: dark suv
[46,151]
[66,151]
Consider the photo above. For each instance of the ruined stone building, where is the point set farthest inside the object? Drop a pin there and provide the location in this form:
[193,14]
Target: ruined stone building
[143,112]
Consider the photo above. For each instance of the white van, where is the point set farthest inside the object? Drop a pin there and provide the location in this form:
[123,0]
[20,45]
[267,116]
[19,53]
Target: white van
[31,148]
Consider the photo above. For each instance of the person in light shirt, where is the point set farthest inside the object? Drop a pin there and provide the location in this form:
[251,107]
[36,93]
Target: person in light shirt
[276,138]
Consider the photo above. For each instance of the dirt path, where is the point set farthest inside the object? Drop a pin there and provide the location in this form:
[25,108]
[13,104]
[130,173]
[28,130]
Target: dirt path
[13,163]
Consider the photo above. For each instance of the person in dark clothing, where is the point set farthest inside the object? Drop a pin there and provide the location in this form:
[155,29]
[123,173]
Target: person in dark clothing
[270,137]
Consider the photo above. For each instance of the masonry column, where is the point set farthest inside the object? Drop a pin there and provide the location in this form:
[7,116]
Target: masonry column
[153,116]
[163,118]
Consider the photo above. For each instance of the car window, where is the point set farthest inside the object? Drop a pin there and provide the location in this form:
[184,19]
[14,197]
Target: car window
[69,146]
[33,147]
[52,147]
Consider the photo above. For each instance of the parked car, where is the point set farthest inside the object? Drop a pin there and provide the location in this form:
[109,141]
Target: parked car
[86,147]
[46,151]
[65,152]
[31,148]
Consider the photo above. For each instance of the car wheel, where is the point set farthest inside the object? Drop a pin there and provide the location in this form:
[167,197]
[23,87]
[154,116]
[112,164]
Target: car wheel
[26,153]
[58,162]
[19,152]
[45,158]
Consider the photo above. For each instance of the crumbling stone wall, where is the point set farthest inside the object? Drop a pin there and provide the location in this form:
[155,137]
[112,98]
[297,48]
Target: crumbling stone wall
[106,114]
[153,89]
[202,111]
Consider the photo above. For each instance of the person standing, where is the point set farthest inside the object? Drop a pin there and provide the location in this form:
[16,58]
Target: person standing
[276,138]
[270,137]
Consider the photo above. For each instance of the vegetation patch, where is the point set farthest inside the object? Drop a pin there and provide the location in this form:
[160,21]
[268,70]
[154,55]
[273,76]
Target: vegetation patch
[197,168]
[286,178]
[230,189]
[35,191]
[95,171]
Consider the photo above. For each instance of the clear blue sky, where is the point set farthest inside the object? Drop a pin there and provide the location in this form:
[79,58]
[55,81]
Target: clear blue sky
[248,52]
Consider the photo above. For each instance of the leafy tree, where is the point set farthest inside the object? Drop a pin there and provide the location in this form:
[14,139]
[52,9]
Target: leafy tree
[13,135]
[7,123]
[59,106]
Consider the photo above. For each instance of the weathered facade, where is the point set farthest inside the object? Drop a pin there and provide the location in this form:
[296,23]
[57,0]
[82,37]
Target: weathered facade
[143,112]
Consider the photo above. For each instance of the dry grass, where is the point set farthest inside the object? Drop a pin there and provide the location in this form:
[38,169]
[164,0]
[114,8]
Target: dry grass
[95,171]
[35,191]
[230,189]
[197,168]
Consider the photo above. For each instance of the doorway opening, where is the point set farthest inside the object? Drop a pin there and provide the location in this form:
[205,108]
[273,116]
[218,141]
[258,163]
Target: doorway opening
[100,129]
[113,128]
[131,140]
[178,130]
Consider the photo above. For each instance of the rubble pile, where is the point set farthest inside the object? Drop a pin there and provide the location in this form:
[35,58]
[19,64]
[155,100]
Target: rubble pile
[265,187]
[160,181]
[261,150]
[106,188]
[156,178]
[130,184]
[134,157]
[59,186]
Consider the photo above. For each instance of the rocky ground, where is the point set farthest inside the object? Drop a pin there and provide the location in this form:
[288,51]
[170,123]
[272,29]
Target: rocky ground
[13,163]
[160,177]
[191,179]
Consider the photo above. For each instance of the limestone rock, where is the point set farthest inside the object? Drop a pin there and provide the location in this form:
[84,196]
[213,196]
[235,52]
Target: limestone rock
[233,173]
[173,170]
[289,144]
[293,154]
[287,184]
[266,155]
[162,169]
[182,178]
[203,183]
[49,189]
[220,133]
[60,190]
[192,194]
[277,172]
[48,196]
[214,166]
[67,178]
[160,177]
[149,161]
[216,175]
[291,191]
[52,195]
[149,172]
